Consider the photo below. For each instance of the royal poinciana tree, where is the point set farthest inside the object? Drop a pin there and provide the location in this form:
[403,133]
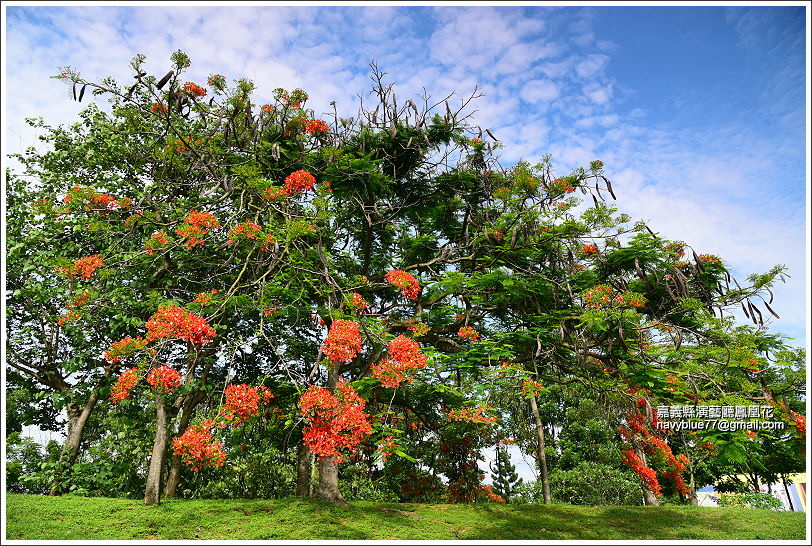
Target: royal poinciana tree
[386,265]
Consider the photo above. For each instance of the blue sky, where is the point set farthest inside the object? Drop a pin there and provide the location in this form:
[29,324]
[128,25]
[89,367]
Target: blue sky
[698,112]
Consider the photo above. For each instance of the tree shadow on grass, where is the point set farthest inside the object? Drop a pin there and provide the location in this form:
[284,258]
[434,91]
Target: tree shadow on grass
[623,522]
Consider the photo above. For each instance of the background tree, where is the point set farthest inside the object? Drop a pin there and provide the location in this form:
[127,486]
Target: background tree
[504,476]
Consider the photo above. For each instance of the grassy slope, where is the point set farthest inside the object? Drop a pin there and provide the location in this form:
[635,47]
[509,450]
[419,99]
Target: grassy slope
[30,517]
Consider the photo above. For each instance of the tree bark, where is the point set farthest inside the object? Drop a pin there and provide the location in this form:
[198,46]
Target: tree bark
[187,404]
[303,471]
[540,452]
[649,498]
[76,428]
[328,483]
[692,486]
[328,468]
[190,401]
[152,495]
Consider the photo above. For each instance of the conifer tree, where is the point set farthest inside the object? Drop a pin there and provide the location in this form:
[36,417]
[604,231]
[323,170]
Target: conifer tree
[503,473]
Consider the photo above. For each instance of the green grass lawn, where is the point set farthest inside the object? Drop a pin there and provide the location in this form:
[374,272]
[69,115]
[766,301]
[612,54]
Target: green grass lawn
[32,517]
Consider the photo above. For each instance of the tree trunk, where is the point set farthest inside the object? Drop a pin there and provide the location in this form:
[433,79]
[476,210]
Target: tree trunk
[303,471]
[649,498]
[540,452]
[692,486]
[76,428]
[328,468]
[765,389]
[152,495]
[173,478]
[187,404]
[328,483]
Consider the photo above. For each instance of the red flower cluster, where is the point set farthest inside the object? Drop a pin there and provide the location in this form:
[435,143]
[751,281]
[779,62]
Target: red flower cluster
[598,295]
[710,258]
[676,385]
[295,183]
[197,447]
[204,298]
[505,366]
[601,296]
[194,89]
[216,80]
[336,421]
[159,108]
[95,201]
[123,348]
[247,229]
[80,300]
[635,301]
[637,433]
[125,383]
[646,473]
[294,99]
[561,185]
[273,193]
[299,182]
[343,342]
[196,227]
[85,267]
[202,219]
[179,145]
[589,249]
[67,317]
[250,230]
[156,241]
[408,285]
[267,108]
[498,235]
[101,201]
[531,387]
[798,420]
[316,126]
[171,322]
[358,301]
[164,379]
[474,416]
[407,351]
[491,495]
[800,423]
[419,329]
[404,356]
[467,332]
[242,402]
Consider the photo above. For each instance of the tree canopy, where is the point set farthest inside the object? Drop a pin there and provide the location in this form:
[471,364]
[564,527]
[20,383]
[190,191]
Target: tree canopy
[250,283]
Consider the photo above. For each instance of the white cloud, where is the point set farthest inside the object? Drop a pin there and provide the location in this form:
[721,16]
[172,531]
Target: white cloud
[599,94]
[608,120]
[591,65]
[540,91]
[556,70]
[488,41]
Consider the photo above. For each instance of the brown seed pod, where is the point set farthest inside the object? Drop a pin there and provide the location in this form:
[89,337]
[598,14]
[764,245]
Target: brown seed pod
[165,79]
